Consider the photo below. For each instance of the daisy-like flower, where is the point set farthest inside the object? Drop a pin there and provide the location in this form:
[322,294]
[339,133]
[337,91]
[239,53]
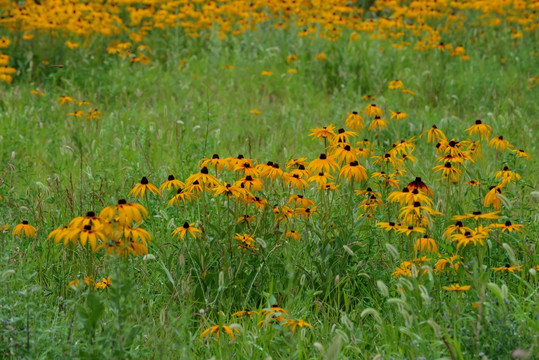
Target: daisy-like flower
[25,229]
[446,263]
[354,121]
[323,164]
[217,330]
[507,176]
[140,189]
[203,177]
[522,154]
[417,209]
[457,227]
[181,195]
[377,124]
[300,201]
[171,183]
[473,183]
[273,172]
[321,178]
[508,227]
[373,110]
[306,213]
[426,243]
[483,130]
[395,84]
[293,324]
[301,171]
[296,181]
[296,163]
[89,219]
[247,242]
[389,226]
[258,202]
[215,161]
[103,284]
[492,199]
[398,115]
[508,268]
[88,234]
[247,168]
[181,231]
[292,234]
[387,159]
[420,185]
[469,237]
[246,219]
[245,312]
[499,143]
[326,132]
[345,154]
[434,134]
[353,171]
[328,186]
[60,234]
[448,170]
[410,229]
[250,183]
[343,135]
[229,190]
[125,212]
[62,100]
[457,287]
[476,215]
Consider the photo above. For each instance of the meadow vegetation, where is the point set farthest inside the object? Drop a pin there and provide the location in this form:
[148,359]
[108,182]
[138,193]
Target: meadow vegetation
[269,179]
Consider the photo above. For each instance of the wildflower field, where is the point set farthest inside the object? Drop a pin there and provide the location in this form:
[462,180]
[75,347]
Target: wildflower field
[300,179]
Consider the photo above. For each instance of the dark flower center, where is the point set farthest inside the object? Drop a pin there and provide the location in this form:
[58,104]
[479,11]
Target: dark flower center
[508,223]
[122,202]
[347,148]
[248,178]
[417,204]
[478,122]
[505,168]
[434,127]
[447,165]
[204,170]
[171,177]
[24,222]
[144,181]
[87,227]
[90,214]
[476,213]
[354,112]
[391,223]
[452,143]
[269,163]
[196,182]
[186,225]
[459,224]
[301,167]
[240,156]
[323,157]
[215,156]
[275,166]
[341,130]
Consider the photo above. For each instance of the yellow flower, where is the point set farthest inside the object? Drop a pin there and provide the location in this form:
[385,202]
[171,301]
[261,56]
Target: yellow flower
[434,134]
[181,231]
[103,284]
[320,57]
[373,110]
[483,130]
[292,234]
[90,233]
[499,143]
[255,112]
[509,227]
[395,84]
[354,121]
[508,268]
[171,183]
[266,73]
[25,229]
[426,244]
[326,132]
[217,330]
[246,312]
[353,171]
[293,324]
[71,44]
[140,189]
[292,71]
[398,115]
[457,287]
[323,164]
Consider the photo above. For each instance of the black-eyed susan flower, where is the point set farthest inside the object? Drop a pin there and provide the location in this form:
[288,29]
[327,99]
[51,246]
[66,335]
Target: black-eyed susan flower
[353,171]
[292,234]
[483,130]
[89,219]
[389,226]
[171,182]
[295,180]
[62,100]
[387,159]
[300,201]
[247,168]
[140,189]
[328,186]
[306,212]
[469,237]
[354,121]
[217,330]
[417,209]
[522,154]
[246,242]
[258,202]
[492,198]
[398,115]
[297,163]
[90,233]
[507,176]
[181,231]
[125,212]
[103,284]
[434,134]
[326,132]
[294,324]
[499,143]
[215,161]
[181,196]
[509,227]
[427,244]
[446,263]
[378,124]
[477,215]
[272,172]
[246,219]
[395,84]
[448,170]
[60,234]
[204,178]
[508,268]
[321,178]
[323,164]
[457,287]
[245,312]
[457,227]
[25,229]
[373,110]
[229,190]
[343,135]
[249,183]
[345,154]
[403,229]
